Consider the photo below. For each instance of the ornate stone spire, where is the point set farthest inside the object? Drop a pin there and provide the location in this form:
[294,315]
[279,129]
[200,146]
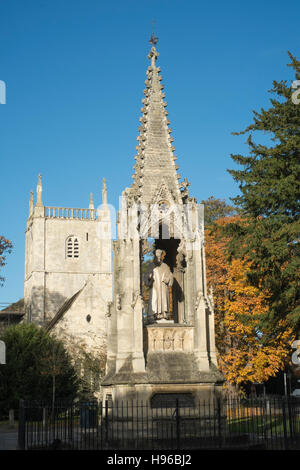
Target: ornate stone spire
[155,160]
[39,190]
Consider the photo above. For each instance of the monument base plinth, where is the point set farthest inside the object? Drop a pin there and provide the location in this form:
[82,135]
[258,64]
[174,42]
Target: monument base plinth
[161,396]
[164,321]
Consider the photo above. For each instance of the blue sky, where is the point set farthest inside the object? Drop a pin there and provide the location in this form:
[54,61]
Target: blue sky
[74,72]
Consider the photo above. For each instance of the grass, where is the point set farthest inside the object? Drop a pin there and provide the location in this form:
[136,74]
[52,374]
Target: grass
[259,425]
[5,426]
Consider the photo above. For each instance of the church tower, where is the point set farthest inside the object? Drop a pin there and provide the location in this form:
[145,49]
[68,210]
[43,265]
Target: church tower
[67,253]
[166,345]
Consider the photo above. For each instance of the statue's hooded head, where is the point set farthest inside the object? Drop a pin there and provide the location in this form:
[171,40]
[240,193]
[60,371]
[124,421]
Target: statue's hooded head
[159,255]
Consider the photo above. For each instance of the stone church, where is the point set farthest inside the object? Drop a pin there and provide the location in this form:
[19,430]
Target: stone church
[151,309]
[68,279]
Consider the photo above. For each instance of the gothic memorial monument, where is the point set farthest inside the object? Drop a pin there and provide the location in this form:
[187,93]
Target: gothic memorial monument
[160,323]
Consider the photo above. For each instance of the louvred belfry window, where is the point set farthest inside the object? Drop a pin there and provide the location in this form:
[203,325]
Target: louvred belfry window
[72,247]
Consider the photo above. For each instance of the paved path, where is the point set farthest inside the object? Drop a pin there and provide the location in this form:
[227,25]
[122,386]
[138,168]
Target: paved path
[8,438]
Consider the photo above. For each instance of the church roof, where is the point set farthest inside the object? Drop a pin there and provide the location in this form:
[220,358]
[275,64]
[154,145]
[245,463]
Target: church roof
[16,308]
[155,166]
[63,309]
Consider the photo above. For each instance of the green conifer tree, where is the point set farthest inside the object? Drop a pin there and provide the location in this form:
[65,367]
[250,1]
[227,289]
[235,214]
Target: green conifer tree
[269,199]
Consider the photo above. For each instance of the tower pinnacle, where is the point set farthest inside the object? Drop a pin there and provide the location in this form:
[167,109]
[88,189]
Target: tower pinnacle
[91,203]
[39,191]
[104,191]
[31,204]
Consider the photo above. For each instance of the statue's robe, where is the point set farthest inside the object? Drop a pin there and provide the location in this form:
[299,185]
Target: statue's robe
[162,278]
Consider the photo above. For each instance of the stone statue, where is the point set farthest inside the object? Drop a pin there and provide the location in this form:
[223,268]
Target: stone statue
[158,277]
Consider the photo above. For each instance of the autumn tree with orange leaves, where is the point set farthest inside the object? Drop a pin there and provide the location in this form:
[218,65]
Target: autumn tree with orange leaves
[247,352]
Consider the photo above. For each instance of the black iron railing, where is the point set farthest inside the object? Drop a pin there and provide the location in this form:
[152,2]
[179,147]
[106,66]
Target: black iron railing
[233,424]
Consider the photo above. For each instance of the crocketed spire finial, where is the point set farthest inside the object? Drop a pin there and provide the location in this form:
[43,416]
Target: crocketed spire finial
[153,54]
[153,39]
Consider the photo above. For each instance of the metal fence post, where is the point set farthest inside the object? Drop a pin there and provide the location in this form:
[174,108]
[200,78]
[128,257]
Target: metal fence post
[284,424]
[21,427]
[71,422]
[177,425]
[106,421]
[219,422]
[291,427]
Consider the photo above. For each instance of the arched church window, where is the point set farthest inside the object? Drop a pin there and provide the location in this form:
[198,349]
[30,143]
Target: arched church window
[72,247]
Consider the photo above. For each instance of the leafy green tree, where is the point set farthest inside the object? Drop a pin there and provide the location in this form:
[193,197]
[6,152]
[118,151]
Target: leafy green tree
[269,202]
[37,368]
[93,371]
[215,209]
[89,365]
[5,248]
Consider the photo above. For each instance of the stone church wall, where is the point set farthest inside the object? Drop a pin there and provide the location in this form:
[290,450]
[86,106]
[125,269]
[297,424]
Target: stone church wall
[55,270]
